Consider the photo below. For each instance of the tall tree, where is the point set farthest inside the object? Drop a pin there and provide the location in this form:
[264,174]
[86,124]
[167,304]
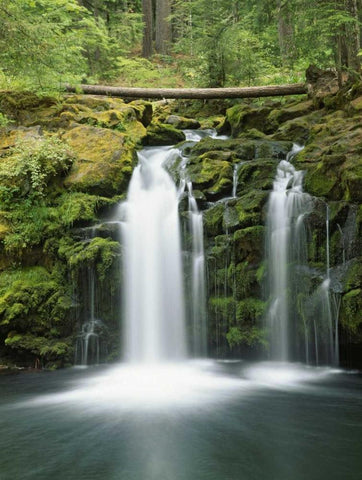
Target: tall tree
[285,32]
[147,28]
[353,38]
[163,32]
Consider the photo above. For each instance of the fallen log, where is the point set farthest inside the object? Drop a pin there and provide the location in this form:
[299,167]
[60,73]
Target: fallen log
[195,93]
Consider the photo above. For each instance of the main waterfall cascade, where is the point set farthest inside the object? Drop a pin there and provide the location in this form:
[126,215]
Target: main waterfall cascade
[292,307]
[154,298]
[164,292]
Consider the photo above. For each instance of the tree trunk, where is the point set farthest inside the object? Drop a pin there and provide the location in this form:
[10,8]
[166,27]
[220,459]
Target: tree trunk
[195,93]
[147,28]
[285,33]
[163,33]
[352,39]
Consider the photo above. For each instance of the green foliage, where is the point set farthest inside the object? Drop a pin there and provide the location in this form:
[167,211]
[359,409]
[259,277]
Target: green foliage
[76,206]
[250,310]
[99,253]
[4,120]
[251,336]
[29,167]
[32,300]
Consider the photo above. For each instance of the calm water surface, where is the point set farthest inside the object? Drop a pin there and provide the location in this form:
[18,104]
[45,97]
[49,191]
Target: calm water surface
[198,421]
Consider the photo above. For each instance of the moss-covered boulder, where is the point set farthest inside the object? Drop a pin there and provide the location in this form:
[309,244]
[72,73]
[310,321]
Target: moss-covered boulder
[35,317]
[182,123]
[297,109]
[243,117]
[211,174]
[249,243]
[162,134]
[104,161]
[351,305]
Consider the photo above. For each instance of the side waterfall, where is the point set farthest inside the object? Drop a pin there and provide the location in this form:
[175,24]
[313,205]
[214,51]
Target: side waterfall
[301,321]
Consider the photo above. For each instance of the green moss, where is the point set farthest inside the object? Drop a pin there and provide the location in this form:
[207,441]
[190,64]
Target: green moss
[351,318]
[104,161]
[242,280]
[224,307]
[353,279]
[31,167]
[240,148]
[162,134]
[98,252]
[321,181]
[182,122]
[250,310]
[212,176]
[76,207]
[243,117]
[246,335]
[249,243]
[31,300]
[281,115]
[352,178]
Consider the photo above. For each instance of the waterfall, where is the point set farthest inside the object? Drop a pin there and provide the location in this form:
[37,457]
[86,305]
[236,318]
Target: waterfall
[302,317]
[287,205]
[87,347]
[198,290]
[153,284]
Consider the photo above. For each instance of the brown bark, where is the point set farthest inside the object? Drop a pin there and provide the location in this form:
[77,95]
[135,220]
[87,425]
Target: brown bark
[195,93]
[352,38]
[285,32]
[147,28]
[163,33]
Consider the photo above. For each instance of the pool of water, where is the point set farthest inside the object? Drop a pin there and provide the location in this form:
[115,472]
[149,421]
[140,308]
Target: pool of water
[193,421]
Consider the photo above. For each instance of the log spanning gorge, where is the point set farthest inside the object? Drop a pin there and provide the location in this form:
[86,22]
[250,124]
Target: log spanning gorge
[177,406]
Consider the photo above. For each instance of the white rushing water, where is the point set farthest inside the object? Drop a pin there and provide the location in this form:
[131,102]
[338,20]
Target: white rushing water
[198,288]
[295,309]
[153,283]
[286,207]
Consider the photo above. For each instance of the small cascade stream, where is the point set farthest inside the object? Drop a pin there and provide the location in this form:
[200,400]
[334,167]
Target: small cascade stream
[87,348]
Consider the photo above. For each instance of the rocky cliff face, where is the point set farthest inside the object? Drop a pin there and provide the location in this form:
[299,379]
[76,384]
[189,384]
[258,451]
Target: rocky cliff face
[65,163]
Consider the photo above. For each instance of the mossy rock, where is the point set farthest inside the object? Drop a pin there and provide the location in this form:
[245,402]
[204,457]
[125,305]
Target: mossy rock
[250,207]
[350,316]
[257,174]
[242,118]
[353,278]
[97,103]
[13,103]
[9,137]
[213,220]
[143,111]
[281,115]
[322,182]
[297,130]
[356,104]
[212,176]
[351,177]
[161,134]
[182,123]
[243,149]
[31,300]
[104,162]
[249,244]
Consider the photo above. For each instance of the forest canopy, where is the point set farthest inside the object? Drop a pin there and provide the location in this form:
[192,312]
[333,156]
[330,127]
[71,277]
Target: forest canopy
[44,43]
